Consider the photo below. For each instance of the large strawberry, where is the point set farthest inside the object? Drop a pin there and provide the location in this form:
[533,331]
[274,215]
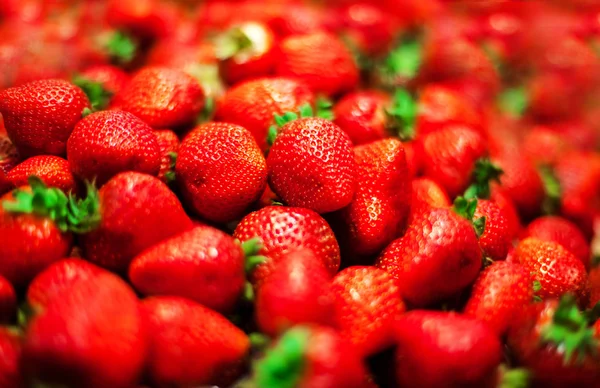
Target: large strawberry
[221,171]
[190,344]
[311,165]
[10,362]
[39,116]
[54,171]
[109,142]
[8,301]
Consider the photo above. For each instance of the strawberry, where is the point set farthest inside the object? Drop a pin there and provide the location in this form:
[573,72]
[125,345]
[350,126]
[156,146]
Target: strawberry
[562,231]
[109,142]
[111,78]
[91,334]
[10,348]
[168,145]
[594,277]
[221,171]
[320,60]
[191,344]
[426,194]
[557,269]
[53,170]
[362,115]
[508,209]
[501,292]
[8,301]
[280,230]
[437,257]
[429,356]
[544,146]
[162,97]
[367,304]
[496,238]
[297,291]
[39,116]
[311,165]
[253,104]
[202,264]
[136,211]
[368,27]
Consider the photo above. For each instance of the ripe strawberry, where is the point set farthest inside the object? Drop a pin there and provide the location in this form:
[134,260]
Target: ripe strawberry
[8,301]
[429,356]
[190,344]
[501,292]
[39,116]
[221,171]
[427,194]
[202,264]
[437,257]
[111,78]
[368,27]
[297,291]
[362,115]
[319,59]
[311,165]
[594,277]
[544,146]
[283,229]
[508,208]
[52,170]
[136,211]
[557,269]
[162,97]
[10,348]
[496,238]
[91,334]
[168,145]
[367,304]
[109,142]
[253,104]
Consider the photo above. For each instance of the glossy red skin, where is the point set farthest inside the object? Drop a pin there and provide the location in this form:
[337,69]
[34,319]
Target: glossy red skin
[427,194]
[508,208]
[147,18]
[369,27]
[297,291]
[501,292]
[190,344]
[252,104]
[441,349]
[8,301]
[168,142]
[562,231]
[362,116]
[437,257]
[113,79]
[544,361]
[221,171]
[367,304]
[202,264]
[109,142]
[449,156]
[557,269]
[28,244]
[414,158]
[91,334]
[53,170]
[39,116]
[321,60]
[311,165]
[10,348]
[497,236]
[162,97]
[284,229]
[138,211]
[382,200]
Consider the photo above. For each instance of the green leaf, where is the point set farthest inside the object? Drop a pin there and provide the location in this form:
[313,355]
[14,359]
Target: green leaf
[552,188]
[121,47]
[514,378]
[593,314]
[324,108]
[231,43]
[305,110]
[513,101]
[98,96]
[484,173]
[401,115]
[465,207]
[404,60]
[479,225]
[259,341]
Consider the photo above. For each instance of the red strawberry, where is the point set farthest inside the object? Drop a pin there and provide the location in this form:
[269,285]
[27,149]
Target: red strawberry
[311,165]
[544,146]
[437,257]
[368,27]
[111,78]
[594,277]
[362,116]
[427,194]
[190,344]
[283,229]
[39,116]
[557,269]
[319,59]
[496,239]
[168,145]
[8,301]
[52,170]
[162,97]
[202,264]
[508,208]
[253,104]
[367,304]
[137,211]
[109,142]
[91,334]
[428,354]
[10,348]
[500,293]
[221,171]
[297,291]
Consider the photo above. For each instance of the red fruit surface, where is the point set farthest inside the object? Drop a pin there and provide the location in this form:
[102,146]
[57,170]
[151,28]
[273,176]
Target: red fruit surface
[497,236]
[594,277]
[52,170]
[168,143]
[112,78]
[8,301]
[10,348]
[508,208]
[362,116]
[427,194]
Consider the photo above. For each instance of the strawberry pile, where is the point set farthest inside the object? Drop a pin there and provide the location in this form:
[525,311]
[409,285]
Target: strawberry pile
[299,194]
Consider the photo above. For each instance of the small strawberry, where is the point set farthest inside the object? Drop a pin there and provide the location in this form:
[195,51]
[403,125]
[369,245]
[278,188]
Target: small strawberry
[496,239]
[362,115]
[54,171]
[190,344]
[8,301]
[311,165]
[501,292]
[508,208]
[39,116]
[109,142]
[110,78]
[10,362]
[221,171]
[168,145]
[367,304]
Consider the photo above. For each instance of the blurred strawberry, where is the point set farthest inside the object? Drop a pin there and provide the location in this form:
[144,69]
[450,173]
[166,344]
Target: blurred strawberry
[168,144]
[8,301]
[10,362]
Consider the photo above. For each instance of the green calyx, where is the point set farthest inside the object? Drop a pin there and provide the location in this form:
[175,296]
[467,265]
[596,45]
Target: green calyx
[170,175]
[401,115]
[484,173]
[253,259]
[283,364]
[570,332]
[68,213]
[259,341]
[552,189]
[324,108]
[404,60]
[593,314]
[121,47]
[98,96]
[305,110]
[231,43]
[537,287]
[513,101]
[514,378]
[466,208]
[207,112]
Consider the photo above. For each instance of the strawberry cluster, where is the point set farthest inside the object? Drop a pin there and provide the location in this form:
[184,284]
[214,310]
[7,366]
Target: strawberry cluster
[299,194]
